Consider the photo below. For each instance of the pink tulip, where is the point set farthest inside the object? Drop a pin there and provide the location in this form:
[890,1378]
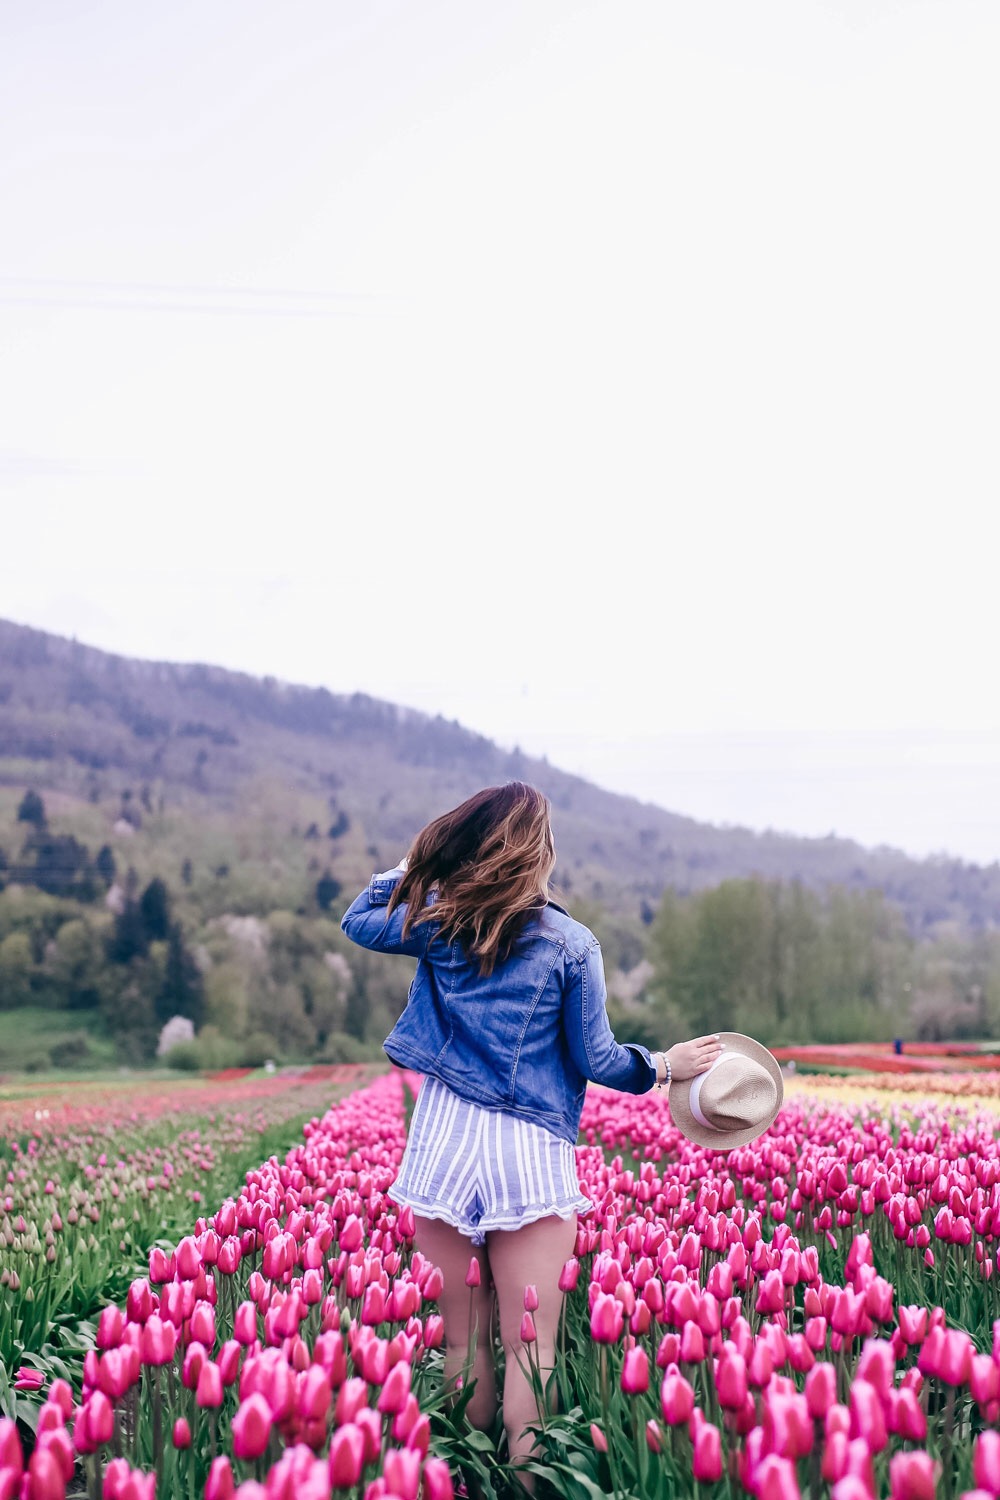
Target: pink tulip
[706,1459]
[182,1433]
[139,1302]
[775,1479]
[906,1415]
[912,1476]
[437,1480]
[203,1324]
[11,1456]
[159,1339]
[606,1319]
[351,1397]
[473,1275]
[820,1391]
[251,1427]
[209,1391]
[531,1299]
[731,1379]
[676,1398]
[58,1442]
[109,1327]
[569,1275]
[161,1266]
[100,1418]
[401,1467]
[187,1258]
[986,1461]
[867,1416]
[28,1379]
[220,1484]
[396,1389]
[45,1479]
[598,1439]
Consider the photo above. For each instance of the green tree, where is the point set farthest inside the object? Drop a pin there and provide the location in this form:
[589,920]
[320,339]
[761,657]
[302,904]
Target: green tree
[75,963]
[17,969]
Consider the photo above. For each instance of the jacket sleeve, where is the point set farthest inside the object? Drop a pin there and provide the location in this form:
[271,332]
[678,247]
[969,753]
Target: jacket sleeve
[366,922]
[592,1043]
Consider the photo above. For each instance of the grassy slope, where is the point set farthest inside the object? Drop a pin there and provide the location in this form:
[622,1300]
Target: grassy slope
[239,767]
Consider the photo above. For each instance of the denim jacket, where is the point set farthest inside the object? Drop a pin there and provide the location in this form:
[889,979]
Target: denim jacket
[526,1038]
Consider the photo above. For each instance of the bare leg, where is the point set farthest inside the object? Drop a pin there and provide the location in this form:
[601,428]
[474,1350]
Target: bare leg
[467,1314]
[531,1256]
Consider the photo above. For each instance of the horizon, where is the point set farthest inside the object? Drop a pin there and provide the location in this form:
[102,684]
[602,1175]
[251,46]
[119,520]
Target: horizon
[705,745]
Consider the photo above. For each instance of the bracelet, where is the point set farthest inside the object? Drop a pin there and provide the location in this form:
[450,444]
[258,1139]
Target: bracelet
[664,1082]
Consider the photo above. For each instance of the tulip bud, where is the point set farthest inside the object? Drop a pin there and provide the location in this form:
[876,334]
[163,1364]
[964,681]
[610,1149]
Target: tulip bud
[706,1459]
[986,1461]
[635,1372]
[346,1457]
[569,1275]
[676,1398]
[220,1484]
[912,1476]
[182,1433]
[251,1427]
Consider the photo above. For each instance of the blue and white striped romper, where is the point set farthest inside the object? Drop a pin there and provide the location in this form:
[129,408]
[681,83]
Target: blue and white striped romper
[482,1169]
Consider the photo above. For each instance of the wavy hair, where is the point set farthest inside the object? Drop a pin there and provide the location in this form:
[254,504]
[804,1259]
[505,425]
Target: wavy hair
[489,861]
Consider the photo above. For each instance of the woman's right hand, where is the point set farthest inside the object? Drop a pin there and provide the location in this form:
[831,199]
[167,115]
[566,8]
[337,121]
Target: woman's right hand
[688,1059]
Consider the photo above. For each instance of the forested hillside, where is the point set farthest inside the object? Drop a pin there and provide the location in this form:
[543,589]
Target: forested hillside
[181,840]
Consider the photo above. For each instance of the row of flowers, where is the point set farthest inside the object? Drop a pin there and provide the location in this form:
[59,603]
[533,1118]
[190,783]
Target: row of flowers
[90,1185]
[797,1316]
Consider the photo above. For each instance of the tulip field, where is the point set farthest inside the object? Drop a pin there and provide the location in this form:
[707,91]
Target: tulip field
[817,1314]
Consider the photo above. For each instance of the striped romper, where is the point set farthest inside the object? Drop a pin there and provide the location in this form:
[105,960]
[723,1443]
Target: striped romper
[482,1169]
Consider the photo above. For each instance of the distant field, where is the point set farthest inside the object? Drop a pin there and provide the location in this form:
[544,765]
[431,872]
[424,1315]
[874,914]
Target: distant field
[880,1057]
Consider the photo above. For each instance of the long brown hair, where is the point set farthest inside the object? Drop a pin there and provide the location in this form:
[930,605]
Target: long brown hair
[490,860]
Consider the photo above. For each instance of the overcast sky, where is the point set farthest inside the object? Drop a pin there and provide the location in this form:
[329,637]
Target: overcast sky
[618,378]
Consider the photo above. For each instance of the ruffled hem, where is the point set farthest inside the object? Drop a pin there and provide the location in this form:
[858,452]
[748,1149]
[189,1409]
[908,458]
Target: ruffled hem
[477,1232]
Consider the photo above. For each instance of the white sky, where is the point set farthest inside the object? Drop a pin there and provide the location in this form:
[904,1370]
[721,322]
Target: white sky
[618,378]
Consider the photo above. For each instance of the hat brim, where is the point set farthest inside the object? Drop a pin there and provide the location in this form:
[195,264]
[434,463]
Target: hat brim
[726,1140]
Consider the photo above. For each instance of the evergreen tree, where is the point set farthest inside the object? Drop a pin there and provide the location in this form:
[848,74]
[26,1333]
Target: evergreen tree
[31,809]
[182,992]
[128,939]
[105,865]
[154,906]
[327,890]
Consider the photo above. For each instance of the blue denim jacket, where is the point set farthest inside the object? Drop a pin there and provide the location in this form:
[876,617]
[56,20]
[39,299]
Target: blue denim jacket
[526,1038]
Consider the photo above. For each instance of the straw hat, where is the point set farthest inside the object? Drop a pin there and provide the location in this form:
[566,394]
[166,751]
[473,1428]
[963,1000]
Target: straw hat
[734,1101]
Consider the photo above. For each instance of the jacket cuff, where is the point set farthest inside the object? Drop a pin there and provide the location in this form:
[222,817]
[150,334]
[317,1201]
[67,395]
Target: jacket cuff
[643,1054]
[381,887]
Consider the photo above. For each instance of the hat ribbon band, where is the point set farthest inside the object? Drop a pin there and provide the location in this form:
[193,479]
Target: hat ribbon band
[694,1092]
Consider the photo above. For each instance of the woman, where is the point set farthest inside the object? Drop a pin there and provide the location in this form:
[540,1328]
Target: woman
[507,1019]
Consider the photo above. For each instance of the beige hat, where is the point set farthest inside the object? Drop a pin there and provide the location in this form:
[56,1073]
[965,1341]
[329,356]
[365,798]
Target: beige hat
[734,1101]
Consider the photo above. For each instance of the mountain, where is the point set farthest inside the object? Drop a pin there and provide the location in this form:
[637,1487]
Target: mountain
[260,775]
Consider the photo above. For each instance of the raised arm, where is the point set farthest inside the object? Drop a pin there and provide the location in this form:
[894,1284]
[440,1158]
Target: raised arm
[592,1043]
[367,923]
